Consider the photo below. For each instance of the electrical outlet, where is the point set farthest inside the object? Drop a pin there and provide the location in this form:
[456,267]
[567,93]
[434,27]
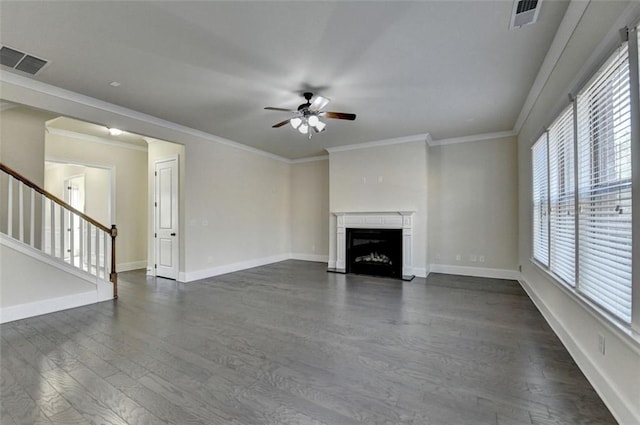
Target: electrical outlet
[458,258]
[601,344]
[473,258]
[438,256]
[481,258]
[313,248]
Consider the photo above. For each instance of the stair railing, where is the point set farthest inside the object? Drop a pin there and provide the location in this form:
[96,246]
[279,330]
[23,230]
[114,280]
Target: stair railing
[65,233]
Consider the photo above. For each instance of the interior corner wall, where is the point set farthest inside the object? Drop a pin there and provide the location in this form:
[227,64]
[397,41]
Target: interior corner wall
[381,179]
[159,150]
[310,210]
[22,132]
[473,204]
[616,375]
[237,206]
[130,167]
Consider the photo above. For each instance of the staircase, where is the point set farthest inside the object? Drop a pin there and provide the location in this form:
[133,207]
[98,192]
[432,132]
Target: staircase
[52,257]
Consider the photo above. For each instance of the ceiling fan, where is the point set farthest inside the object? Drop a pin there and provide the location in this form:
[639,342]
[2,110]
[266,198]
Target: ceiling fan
[306,119]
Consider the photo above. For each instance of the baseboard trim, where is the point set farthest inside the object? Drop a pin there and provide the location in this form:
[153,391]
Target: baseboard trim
[310,257]
[37,308]
[475,271]
[230,268]
[617,404]
[134,265]
[420,271]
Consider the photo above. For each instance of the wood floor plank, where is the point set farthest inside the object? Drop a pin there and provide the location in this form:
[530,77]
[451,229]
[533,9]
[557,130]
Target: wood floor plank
[288,343]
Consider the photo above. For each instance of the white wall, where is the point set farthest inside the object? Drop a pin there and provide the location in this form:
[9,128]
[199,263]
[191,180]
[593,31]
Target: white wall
[380,179]
[473,204]
[130,168]
[616,375]
[237,206]
[22,141]
[22,149]
[310,210]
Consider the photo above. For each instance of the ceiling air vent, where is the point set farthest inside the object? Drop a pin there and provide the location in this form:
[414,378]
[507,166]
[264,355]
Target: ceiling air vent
[21,61]
[525,12]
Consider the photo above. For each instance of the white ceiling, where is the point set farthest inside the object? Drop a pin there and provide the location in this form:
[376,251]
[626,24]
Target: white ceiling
[447,68]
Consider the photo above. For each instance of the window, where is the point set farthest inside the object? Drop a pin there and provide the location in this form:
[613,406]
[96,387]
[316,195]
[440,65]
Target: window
[540,201]
[562,197]
[604,186]
[595,163]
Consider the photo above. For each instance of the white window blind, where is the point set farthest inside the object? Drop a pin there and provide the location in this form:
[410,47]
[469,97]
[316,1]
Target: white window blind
[562,197]
[604,187]
[540,201]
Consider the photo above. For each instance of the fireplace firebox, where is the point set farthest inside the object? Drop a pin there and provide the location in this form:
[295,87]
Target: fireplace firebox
[375,252]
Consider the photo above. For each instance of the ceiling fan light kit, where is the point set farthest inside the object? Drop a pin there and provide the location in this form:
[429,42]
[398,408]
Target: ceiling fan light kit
[307,116]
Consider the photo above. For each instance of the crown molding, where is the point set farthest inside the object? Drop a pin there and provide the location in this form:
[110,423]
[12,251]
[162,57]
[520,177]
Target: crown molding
[473,138]
[387,142]
[60,93]
[564,33]
[309,159]
[95,139]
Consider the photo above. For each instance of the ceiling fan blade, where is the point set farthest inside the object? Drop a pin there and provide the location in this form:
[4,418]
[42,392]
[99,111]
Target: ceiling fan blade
[339,115]
[319,103]
[280,124]
[271,108]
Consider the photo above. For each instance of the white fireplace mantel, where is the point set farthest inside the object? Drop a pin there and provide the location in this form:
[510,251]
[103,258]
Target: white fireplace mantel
[375,220]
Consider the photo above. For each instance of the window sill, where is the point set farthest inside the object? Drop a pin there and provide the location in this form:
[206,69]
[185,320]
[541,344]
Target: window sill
[623,330]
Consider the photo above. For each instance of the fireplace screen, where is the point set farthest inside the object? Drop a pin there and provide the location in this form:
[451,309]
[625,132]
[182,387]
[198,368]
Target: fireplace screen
[376,252]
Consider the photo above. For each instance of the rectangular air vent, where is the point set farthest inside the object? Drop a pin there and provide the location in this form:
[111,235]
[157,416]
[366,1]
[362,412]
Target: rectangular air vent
[525,12]
[21,61]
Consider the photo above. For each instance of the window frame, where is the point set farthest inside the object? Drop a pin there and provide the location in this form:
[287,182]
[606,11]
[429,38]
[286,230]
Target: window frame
[631,330]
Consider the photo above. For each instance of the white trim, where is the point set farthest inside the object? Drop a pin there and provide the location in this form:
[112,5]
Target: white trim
[475,271]
[95,139]
[309,159]
[421,271]
[567,26]
[310,257]
[47,259]
[402,220]
[134,265]
[473,138]
[230,268]
[621,409]
[68,95]
[37,308]
[387,142]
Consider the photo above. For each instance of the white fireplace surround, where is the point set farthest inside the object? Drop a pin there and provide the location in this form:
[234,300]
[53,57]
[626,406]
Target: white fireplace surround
[375,220]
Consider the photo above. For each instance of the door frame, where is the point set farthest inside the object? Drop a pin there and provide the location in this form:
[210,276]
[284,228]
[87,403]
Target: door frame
[152,270]
[112,181]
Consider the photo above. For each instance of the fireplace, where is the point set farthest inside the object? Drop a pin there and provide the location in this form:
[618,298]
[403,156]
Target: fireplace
[347,222]
[376,252]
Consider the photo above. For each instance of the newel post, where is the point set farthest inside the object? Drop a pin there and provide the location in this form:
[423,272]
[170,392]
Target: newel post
[113,277]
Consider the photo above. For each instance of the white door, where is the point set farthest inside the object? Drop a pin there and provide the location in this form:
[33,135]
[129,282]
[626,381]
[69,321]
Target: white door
[166,218]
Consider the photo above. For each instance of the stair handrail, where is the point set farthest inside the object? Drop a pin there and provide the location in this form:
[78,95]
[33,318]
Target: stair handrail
[112,231]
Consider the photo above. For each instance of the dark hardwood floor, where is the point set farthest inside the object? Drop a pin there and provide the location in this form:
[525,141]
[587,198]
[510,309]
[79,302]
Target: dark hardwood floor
[289,343]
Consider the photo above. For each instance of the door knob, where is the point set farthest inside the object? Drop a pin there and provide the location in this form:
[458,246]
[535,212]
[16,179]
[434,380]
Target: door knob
[173,234]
